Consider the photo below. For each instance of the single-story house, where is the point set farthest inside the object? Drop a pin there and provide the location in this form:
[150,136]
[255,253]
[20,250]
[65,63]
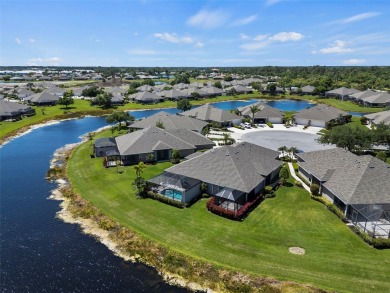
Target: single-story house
[307,90]
[357,97]
[169,122]
[180,86]
[24,93]
[234,175]
[265,114]
[379,117]
[213,91]
[318,115]
[239,89]
[342,93]
[42,99]
[172,94]
[156,144]
[14,111]
[358,185]
[377,100]
[210,113]
[146,98]
[146,88]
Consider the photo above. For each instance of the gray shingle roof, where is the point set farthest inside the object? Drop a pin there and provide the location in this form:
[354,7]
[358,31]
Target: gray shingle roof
[380,117]
[11,109]
[354,179]
[170,122]
[105,142]
[208,112]
[265,111]
[43,97]
[378,98]
[342,91]
[150,139]
[241,167]
[320,112]
[145,97]
[308,89]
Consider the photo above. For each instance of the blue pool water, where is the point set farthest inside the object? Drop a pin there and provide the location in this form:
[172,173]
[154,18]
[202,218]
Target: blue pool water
[172,193]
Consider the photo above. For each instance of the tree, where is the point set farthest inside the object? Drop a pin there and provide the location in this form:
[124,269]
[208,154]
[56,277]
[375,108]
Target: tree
[159,124]
[228,78]
[283,149]
[292,151]
[349,137]
[184,105]
[218,84]
[381,156]
[181,78]
[175,157]
[103,100]
[6,78]
[195,95]
[91,92]
[283,174]
[254,109]
[226,137]
[381,134]
[119,117]
[139,169]
[66,99]
[271,88]
[139,185]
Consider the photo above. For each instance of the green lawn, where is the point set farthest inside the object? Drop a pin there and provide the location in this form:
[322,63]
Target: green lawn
[335,259]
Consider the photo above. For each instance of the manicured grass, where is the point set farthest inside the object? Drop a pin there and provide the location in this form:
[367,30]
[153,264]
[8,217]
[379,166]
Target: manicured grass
[335,259]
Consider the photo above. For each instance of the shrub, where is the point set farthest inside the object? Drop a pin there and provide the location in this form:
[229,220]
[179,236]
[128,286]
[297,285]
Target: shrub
[303,179]
[165,199]
[239,127]
[330,206]
[314,189]
[298,183]
[238,215]
[175,159]
[268,189]
[270,125]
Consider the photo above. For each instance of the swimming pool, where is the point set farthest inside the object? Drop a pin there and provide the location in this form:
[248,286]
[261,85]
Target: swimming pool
[172,193]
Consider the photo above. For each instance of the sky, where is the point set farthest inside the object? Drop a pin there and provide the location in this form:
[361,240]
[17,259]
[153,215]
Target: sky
[194,33]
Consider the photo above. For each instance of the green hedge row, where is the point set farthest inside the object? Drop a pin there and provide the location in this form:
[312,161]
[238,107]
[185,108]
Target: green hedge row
[165,199]
[330,206]
[380,243]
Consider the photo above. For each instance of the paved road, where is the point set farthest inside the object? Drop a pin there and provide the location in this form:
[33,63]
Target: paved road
[305,142]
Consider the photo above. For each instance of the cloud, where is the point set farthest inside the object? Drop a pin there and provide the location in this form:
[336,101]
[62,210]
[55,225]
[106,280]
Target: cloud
[287,36]
[354,61]
[262,41]
[244,21]
[337,47]
[31,40]
[174,38]
[18,41]
[208,19]
[244,37]
[136,34]
[260,38]
[43,61]
[359,17]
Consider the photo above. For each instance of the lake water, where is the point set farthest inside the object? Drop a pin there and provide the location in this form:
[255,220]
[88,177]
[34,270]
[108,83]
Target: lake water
[38,252]
[283,105]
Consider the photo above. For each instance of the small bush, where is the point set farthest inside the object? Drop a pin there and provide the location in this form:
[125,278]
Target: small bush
[298,183]
[166,200]
[315,189]
[205,195]
[270,125]
[239,127]
[268,189]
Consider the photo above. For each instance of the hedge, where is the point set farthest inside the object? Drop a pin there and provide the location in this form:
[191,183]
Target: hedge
[165,199]
[270,125]
[238,215]
[379,243]
[330,206]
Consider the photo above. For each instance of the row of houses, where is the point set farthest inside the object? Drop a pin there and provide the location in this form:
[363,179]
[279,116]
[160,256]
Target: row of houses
[367,98]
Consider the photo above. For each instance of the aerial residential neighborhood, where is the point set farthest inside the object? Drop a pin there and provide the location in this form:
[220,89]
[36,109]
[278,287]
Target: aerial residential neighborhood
[195,146]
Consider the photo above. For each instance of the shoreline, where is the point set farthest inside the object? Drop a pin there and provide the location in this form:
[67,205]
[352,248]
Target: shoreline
[131,246]
[89,227]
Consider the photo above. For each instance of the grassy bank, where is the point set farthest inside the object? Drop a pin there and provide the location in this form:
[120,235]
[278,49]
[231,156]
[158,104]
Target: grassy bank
[335,259]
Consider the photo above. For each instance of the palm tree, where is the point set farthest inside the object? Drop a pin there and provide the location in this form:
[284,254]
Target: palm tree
[293,151]
[254,109]
[139,169]
[226,137]
[283,149]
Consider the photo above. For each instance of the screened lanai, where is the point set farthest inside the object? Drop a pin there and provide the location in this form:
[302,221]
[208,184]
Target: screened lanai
[372,219]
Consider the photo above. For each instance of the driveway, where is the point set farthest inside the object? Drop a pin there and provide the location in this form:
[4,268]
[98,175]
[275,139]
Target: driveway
[275,138]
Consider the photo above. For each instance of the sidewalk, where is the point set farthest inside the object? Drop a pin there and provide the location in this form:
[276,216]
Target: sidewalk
[292,172]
